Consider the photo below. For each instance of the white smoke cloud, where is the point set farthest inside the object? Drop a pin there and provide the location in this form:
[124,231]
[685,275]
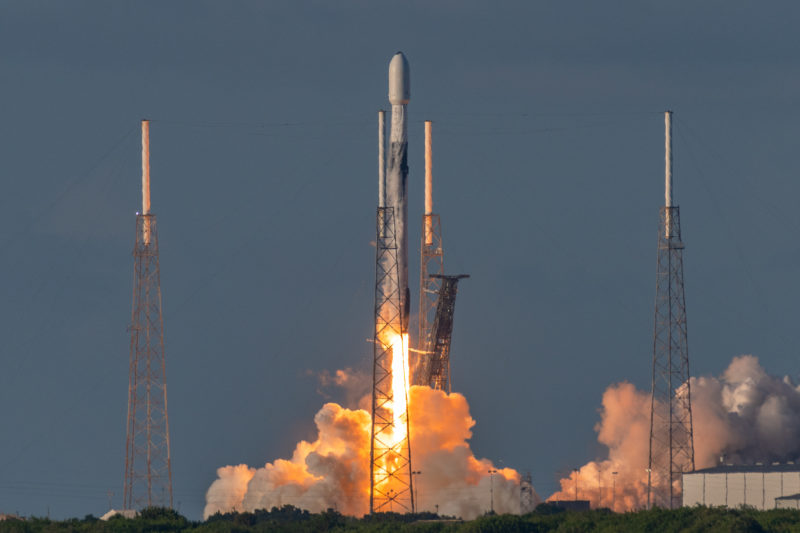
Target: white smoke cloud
[333,471]
[227,492]
[745,416]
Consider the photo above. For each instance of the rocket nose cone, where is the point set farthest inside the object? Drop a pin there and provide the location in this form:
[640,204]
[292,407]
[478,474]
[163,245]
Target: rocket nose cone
[399,80]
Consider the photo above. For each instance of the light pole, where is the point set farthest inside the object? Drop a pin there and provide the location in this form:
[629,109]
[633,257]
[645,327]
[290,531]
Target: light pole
[614,491]
[577,474]
[492,472]
[417,505]
[391,499]
[649,479]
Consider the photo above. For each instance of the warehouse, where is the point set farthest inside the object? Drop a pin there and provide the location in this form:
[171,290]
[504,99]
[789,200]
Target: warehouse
[733,486]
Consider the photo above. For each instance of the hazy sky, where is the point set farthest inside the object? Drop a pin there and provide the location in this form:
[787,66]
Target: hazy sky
[548,142]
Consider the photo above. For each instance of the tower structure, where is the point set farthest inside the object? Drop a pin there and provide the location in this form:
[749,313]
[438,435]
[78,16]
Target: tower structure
[391,481]
[526,500]
[148,472]
[431,262]
[671,441]
[436,371]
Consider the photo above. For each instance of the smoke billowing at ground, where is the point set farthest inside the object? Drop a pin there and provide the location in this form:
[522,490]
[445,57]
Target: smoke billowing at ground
[745,416]
[333,471]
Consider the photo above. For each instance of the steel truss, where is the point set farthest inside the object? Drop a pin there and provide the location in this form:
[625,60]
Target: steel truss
[431,262]
[390,458]
[148,472]
[436,371]
[671,440]
[526,501]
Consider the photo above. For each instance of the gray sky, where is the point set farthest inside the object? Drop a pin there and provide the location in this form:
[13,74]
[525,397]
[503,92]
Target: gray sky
[548,142]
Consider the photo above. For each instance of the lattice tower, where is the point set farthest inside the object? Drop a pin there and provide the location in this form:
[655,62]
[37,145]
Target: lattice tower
[671,439]
[431,262]
[526,500]
[148,472]
[391,481]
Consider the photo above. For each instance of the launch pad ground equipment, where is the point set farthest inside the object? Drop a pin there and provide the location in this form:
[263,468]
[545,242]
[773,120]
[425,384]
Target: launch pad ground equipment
[390,457]
[431,262]
[437,361]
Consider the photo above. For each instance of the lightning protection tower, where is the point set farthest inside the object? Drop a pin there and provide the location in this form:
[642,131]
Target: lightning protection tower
[431,262]
[148,473]
[671,441]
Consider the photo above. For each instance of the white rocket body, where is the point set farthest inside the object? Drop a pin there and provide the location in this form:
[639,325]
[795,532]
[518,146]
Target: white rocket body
[397,171]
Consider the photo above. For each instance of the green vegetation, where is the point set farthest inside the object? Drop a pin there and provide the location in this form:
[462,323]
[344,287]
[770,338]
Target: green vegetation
[545,519]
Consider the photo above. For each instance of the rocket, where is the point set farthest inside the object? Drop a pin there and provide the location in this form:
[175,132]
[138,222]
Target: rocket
[396,187]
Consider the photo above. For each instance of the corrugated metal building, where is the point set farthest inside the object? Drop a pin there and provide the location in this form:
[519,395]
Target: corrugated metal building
[737,485]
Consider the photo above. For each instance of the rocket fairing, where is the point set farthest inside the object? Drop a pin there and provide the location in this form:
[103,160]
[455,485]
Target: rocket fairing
[397,171]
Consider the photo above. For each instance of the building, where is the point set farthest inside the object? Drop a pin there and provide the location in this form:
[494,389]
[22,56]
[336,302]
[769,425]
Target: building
[571,505]
[788,502]
[759,486]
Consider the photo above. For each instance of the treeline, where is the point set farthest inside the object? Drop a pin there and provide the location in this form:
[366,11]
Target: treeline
[546,518]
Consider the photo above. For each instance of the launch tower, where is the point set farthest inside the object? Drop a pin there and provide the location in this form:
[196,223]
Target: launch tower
[431,262]
[390,450]
[148,473]
[391,481]
[436,371]
[671,442]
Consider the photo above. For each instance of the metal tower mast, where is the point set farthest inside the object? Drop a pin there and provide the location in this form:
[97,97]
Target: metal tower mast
[148,472]
[431,262]
[436,371]
[671,440]
[526,502]
[391,481]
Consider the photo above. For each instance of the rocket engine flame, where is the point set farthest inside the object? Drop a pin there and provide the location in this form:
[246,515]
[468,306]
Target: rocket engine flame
[400,386]
[333,471]
[392,470]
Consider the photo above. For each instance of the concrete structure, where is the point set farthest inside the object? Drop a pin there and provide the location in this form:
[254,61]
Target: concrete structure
[759,486]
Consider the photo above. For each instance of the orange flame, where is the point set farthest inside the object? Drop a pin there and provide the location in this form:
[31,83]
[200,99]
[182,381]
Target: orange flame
[396,439]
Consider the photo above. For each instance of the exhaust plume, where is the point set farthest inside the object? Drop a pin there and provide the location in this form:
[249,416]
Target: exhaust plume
[743,416]
[333,471]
